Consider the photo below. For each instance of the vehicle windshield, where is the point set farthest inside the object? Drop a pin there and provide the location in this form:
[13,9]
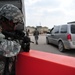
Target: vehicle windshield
[73,29]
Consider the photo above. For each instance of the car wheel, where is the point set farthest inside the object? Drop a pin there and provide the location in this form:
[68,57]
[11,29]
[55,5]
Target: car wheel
[47,41]
[61,46]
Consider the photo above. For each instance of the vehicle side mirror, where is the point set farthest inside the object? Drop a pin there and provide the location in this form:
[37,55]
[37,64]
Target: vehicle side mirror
[48,32]
[52,34]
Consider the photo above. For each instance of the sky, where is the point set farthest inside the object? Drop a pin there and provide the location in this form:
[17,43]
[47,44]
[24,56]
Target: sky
[49,12]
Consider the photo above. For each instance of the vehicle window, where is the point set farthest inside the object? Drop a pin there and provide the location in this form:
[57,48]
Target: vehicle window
[56,29]
[73,29]
[63,29]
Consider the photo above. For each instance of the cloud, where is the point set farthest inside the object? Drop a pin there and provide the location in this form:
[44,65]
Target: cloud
[31,2]
[49,12]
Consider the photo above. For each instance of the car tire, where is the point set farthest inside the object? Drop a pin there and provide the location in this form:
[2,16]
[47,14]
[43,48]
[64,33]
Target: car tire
[47,41]
[61,46]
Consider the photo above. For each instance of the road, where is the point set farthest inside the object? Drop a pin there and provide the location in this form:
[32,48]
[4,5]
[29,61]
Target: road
[42,46]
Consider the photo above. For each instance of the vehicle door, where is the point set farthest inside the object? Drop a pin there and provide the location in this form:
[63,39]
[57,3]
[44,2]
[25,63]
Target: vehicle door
[50,39]
[72,29]
[63,33]
[55,35]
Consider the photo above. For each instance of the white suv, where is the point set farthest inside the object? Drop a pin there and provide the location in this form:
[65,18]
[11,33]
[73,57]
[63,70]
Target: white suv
[63,36]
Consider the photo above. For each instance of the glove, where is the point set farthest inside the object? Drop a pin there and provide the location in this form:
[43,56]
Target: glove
[26,39]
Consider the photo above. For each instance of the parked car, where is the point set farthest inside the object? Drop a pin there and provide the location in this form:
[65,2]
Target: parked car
[63,36]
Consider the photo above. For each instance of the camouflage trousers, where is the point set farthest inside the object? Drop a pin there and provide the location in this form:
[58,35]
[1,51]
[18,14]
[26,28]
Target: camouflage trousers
[5,65]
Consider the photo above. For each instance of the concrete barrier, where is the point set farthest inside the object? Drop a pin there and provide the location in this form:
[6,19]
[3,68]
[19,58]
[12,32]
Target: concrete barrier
[42,63]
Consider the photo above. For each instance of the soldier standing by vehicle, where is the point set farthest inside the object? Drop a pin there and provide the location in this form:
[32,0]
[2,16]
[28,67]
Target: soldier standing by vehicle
[36,35]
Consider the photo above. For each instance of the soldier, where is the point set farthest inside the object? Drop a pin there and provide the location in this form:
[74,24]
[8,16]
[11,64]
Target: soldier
[11,20]
[36,35]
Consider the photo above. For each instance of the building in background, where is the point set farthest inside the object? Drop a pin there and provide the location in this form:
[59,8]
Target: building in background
[31,29]
[40,29]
